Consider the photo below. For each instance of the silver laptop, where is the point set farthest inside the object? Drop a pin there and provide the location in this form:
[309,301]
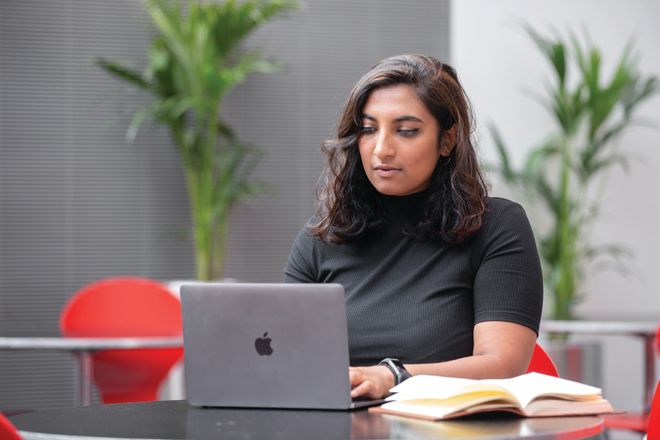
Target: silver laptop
[266,346]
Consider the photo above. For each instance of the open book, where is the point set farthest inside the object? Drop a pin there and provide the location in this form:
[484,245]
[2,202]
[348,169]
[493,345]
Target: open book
[529,395]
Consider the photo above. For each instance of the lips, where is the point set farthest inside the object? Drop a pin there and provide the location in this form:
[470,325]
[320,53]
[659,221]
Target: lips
[386,170]
[385,167]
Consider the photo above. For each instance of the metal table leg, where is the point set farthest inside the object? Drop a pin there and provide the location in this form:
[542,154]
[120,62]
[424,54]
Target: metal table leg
[649,372]
[85,378]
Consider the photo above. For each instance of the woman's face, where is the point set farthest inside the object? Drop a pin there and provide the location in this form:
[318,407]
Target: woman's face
[398,141]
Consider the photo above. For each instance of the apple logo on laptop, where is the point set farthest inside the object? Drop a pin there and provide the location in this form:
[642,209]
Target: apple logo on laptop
[262,345]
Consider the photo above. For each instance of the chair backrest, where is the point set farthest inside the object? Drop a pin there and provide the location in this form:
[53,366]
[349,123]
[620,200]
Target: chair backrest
[541,363]
[126,307]
[653,427]
[122,307]
[7,429]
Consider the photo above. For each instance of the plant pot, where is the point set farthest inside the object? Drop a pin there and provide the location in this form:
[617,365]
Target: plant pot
[580,361]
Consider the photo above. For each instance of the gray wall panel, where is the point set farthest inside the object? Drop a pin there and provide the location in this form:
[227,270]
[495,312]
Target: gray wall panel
[78,203]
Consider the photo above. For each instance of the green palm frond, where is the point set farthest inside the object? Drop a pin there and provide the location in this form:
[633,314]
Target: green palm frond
[123,72]
[591,113]
[505,168]
[194,61]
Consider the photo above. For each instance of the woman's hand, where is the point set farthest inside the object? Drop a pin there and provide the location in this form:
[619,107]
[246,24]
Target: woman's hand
[370,382]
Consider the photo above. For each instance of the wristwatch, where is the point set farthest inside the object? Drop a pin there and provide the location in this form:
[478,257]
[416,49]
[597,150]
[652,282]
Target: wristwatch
[398,370]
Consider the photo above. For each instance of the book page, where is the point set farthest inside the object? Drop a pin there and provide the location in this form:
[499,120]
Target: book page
[442,408]
[439,387]
[544,407]
[522,389]
[532,385]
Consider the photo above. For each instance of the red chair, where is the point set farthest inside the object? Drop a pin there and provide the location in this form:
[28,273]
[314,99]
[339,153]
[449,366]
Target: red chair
[126,307]
[7,430]
[541,363]
[653,426]
[633,421]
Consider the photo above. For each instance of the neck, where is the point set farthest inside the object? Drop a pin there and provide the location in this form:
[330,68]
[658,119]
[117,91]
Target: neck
[405,206]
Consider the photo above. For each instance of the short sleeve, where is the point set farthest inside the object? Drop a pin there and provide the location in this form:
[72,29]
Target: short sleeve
[508,285]
[300,267]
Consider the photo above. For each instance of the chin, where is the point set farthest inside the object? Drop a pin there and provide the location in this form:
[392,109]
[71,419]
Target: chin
[389,191]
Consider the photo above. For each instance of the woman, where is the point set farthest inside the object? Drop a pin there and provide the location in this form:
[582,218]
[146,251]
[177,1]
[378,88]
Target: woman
[439,278]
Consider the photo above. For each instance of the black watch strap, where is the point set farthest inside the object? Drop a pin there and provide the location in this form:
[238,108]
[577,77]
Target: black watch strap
[398,370]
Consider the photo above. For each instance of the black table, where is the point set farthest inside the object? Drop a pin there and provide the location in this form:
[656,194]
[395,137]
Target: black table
[177,420]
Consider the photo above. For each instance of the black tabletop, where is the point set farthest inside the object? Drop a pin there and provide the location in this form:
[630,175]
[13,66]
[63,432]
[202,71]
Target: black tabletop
[178,420]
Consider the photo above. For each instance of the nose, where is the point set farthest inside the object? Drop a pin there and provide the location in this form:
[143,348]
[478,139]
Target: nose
[384,147]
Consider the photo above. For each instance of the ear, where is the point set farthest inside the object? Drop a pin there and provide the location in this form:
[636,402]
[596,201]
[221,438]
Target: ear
[448,141]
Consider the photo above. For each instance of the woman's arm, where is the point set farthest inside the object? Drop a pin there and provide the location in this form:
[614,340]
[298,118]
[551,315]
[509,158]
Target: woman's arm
[501,349]
[507,298]
[300,267]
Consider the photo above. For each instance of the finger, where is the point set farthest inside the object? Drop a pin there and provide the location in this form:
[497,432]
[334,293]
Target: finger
[355,377]
[362,389]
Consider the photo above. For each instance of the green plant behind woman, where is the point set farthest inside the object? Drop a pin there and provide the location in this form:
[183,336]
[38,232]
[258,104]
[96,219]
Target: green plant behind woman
[565,173]
[193,64]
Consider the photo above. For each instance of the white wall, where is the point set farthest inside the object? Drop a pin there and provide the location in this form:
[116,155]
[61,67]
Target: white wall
[500,67]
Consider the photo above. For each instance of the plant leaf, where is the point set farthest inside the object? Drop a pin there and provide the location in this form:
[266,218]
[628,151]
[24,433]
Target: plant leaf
[122,72]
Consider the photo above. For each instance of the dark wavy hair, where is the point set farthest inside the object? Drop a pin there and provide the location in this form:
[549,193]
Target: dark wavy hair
[348,205]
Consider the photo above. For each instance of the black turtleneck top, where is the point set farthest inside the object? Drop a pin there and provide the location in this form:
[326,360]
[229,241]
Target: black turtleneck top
[418,300]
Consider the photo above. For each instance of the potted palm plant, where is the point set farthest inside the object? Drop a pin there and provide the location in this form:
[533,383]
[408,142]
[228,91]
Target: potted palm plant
[564,173]
[193,63]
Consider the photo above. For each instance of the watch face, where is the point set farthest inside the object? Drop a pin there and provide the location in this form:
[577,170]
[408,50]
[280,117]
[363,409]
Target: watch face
[401,372]
[398,370]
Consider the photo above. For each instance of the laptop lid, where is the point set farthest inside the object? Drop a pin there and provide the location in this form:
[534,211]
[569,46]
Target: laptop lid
[266,345]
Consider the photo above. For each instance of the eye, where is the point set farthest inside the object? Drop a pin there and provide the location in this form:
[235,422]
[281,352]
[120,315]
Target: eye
[367,130]
[408,132]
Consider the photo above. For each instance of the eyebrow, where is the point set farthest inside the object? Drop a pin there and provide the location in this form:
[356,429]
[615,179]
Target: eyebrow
[399,119]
